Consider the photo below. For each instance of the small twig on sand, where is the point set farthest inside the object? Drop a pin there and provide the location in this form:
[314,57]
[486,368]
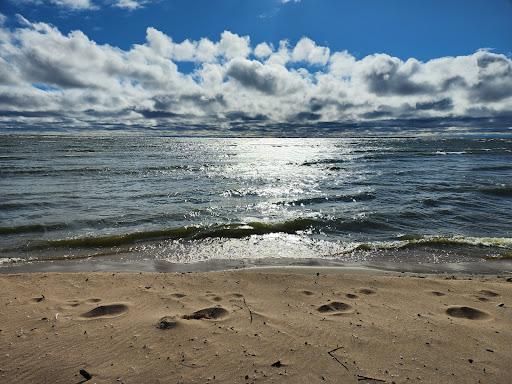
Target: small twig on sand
[249,309]
[360,378]
[193,366]
[331,353]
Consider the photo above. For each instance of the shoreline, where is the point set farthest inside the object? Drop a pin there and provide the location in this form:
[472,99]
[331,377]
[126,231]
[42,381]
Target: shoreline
[91,264]
[258,325]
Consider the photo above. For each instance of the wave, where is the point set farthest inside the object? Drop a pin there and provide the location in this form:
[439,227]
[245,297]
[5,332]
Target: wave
[504,167]
[9,158]
[414,241]
[11,260]
[449,153]
[363,196]
[501,191]
[106,246]
[499,242]
[35,171]
[323,161]
[187,233]
[31,228]
[230,231]
[126,220]
[24,205]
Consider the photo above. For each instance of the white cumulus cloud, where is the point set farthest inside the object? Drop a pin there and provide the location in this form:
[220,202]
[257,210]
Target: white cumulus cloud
[128,4]
[56,79]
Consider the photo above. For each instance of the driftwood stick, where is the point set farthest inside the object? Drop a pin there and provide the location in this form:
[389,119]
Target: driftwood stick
[331,353]
[361,377]
[249,309]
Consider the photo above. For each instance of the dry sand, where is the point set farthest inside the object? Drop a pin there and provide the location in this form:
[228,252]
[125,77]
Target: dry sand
[255,326]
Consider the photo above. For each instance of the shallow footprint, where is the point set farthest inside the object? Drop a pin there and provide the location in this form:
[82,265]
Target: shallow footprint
[178,295]
[69,304]
[367,291]
[351,296]
[93,300]
[111,310]
[467,313]
[489,293]
[207,313]
[437,293]
[307,293]
[334,306]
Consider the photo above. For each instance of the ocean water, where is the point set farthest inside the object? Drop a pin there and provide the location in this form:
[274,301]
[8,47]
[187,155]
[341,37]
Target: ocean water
[147,200]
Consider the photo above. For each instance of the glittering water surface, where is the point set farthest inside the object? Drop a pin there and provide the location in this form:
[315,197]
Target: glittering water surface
[195,199]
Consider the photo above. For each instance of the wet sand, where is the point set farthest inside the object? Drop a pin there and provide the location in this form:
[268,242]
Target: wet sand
[288,325]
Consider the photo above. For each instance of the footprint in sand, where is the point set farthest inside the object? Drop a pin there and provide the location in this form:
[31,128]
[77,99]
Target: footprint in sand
[208,314]
[106,311]
[467,313]
[213,296]
[307,293]
[92,301]
[334,307]
[351,296]
[69,304]
[437,293]
[178,295]
[488,293]
[367,291]
[74,303]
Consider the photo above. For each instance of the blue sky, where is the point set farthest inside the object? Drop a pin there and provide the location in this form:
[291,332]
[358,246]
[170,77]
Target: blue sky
[255,64]
[402,28]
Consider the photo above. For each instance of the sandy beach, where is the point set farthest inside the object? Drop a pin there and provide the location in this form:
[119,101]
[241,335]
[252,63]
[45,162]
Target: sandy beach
[289,325]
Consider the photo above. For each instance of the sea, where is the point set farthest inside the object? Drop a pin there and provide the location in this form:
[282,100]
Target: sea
[160,203]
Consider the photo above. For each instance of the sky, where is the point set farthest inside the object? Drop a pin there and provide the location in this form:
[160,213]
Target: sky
[273,67]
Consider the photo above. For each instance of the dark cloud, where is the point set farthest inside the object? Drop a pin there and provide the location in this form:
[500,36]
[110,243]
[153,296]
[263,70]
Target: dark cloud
[453,82]
[252,75]
[306,116]
[492,91]
[168,102]
[42,69]
[495,78]
[396,84]
[485,59]
[378,114]
[31,114]
[157,114]
[242,116]
[106,114]
[445,104]
[387,79]
[317,104]
[23,101]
